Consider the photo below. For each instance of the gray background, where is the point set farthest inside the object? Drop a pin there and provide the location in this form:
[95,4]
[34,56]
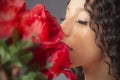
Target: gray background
[57,9]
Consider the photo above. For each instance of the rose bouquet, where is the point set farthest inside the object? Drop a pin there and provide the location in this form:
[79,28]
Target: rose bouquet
[30,43]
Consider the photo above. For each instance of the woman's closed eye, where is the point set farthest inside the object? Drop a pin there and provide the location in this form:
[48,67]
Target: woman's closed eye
[82,22]
[78,21]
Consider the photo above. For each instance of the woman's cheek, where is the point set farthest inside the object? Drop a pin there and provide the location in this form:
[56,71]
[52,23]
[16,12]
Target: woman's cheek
[92,52]
[78,45]
[85,50]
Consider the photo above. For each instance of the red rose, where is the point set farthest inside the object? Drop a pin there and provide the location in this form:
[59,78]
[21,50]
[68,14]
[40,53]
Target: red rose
[9,10]
[41,24]
[55,54]
[55,32]
[60,61]
[48,33]
[31,26]
[40,57]
[45,30]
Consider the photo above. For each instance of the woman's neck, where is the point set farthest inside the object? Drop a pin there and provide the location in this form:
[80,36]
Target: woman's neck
[98,71]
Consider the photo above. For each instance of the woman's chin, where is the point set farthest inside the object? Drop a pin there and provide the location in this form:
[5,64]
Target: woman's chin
[71,66]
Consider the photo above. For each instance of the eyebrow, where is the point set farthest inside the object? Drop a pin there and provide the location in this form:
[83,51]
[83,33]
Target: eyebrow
[68,2]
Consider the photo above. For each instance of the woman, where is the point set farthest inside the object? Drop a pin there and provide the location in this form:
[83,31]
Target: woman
[92,33]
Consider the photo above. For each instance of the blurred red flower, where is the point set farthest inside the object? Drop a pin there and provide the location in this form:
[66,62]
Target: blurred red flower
[9,10]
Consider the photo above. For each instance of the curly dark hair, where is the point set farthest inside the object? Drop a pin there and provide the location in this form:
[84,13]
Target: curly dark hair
[105,22]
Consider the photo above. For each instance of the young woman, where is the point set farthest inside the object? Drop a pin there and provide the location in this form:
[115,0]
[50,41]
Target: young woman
[92,33]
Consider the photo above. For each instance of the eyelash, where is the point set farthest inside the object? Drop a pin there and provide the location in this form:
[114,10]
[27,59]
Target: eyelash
[82,22]
[79,21]
[62,19]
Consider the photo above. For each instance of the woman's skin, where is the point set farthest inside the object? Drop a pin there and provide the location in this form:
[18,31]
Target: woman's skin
[81,40]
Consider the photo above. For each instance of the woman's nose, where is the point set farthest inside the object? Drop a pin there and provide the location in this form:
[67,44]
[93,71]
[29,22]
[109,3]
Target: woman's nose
[66,28]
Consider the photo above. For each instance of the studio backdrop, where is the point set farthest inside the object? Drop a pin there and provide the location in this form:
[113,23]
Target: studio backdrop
[56,7]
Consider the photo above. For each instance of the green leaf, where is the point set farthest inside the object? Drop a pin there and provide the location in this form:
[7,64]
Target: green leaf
[17,62]
[34,76]
[29,76]
[4,56]
[15,36]
[48,65]
[26,57]
[13,49]
[3,44]
[25,44]
[41,77]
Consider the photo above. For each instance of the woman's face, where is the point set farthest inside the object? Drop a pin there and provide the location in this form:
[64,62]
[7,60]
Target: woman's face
[79,36]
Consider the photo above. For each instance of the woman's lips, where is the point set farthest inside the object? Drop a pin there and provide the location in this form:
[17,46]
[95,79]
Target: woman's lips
[69,48]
